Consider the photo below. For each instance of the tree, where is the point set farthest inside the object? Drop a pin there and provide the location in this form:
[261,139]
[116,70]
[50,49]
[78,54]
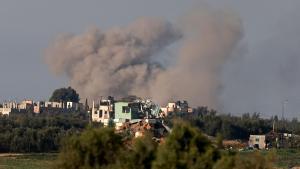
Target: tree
[94,148]
[186,148]
[141,155]
[65,94]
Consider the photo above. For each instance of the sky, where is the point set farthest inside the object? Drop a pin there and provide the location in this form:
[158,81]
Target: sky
[261,75]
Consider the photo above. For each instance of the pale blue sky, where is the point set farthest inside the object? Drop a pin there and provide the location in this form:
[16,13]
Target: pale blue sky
[28,26]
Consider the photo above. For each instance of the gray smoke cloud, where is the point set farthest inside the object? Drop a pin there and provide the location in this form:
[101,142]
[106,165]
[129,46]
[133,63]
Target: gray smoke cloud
[117,62]
[210,37]
[124,61]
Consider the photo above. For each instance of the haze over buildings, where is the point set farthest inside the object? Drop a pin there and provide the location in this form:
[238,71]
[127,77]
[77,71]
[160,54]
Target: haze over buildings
[257,73]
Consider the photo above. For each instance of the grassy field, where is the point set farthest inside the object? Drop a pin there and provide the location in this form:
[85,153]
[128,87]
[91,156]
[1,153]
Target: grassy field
[284,158]
[287,158]
[28,161]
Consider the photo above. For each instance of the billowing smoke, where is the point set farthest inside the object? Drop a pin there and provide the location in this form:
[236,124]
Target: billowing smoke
[210,36]
[124,61]
[118,62]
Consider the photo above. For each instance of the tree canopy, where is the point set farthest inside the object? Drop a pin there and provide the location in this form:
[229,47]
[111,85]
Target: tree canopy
[38,133]
[185,147]
[65,94]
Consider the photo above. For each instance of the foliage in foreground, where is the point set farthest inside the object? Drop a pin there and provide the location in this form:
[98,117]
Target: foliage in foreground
[184,148]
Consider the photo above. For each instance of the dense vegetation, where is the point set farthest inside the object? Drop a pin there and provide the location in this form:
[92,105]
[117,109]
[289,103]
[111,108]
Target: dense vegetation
[38,132]
[184,148]
[238,127]
[65,94]
[44,132]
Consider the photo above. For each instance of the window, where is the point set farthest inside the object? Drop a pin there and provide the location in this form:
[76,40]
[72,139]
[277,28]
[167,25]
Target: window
[100,115]
[125,109]
[257,139]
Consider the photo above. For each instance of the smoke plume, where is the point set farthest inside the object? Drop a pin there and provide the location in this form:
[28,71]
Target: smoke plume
[124,61]
[210,36]
[117,62]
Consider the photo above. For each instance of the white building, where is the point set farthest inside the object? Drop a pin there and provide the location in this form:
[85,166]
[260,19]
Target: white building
[103,111]
[54,105]
[9,107]
[6,111]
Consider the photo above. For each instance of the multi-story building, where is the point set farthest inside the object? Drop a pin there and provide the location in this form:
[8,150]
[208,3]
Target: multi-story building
[257,141]
[103,111]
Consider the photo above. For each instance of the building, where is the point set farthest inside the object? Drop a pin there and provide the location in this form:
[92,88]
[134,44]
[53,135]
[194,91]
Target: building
[169,109]
[7,111]
[59,105]
[128,111]
[41,106]
[257,141]
[11,104]
[9,107]
[178,107]
[103,111]
[182,106]
[26,106]
[37,107]
[73,106]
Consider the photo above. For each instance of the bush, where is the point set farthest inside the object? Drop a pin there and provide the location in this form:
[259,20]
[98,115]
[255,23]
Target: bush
[184,148]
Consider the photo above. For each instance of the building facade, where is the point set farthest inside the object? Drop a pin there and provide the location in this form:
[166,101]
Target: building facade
[257,141]
[103,111]
[126,111]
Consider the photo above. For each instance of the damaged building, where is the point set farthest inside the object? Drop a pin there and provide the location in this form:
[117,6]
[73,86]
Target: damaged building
[103,111]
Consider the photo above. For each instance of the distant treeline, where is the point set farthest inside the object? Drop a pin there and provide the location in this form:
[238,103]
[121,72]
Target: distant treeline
[43,132]
[38,132]
[238,127]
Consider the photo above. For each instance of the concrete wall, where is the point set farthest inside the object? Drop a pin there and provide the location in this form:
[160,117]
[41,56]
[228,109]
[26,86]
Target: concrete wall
[119,113]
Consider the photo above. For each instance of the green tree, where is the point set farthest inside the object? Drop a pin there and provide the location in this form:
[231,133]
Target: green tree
[186,148]
[140,156]
[93,149]
[65,94]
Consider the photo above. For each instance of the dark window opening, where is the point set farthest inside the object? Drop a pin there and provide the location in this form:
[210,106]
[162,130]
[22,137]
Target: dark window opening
[125,109]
